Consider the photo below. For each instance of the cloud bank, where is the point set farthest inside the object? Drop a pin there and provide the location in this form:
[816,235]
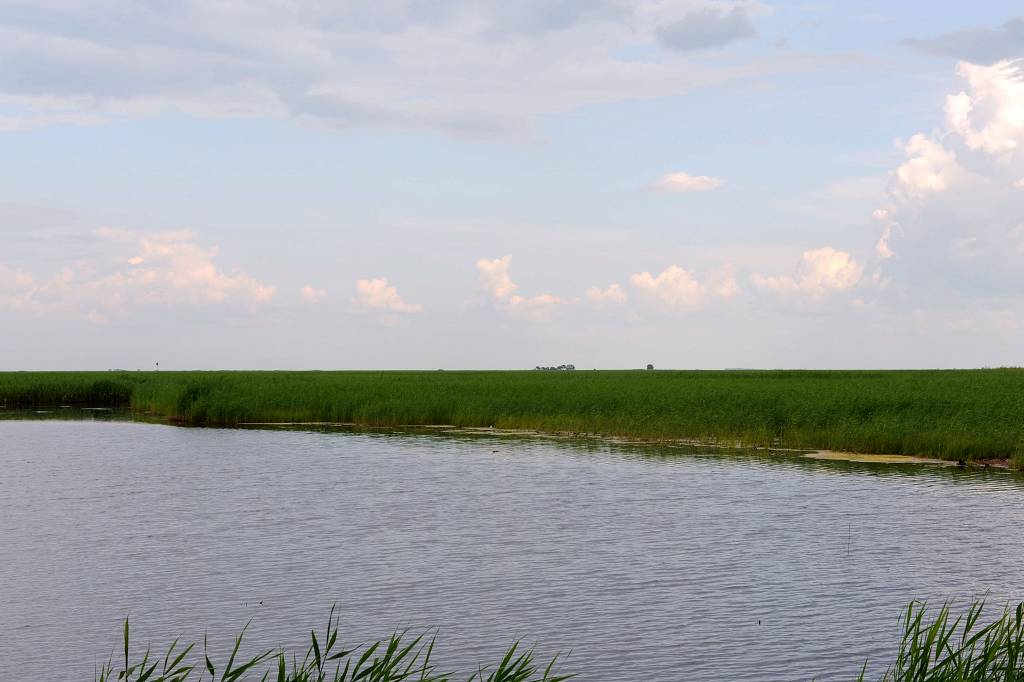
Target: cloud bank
[475,69]
[955,224]
[138,270]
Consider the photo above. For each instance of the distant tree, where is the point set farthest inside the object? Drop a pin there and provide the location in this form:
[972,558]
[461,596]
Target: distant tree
[650,367]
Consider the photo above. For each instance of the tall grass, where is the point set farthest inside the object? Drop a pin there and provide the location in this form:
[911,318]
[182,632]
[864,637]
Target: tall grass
[938,648]
[941,649]
[395,659]
[951,414]
[50,389]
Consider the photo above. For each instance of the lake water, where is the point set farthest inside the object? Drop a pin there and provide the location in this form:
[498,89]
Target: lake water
[648,565]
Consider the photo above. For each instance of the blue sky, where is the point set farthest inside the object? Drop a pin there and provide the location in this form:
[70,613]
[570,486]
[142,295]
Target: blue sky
[693,183]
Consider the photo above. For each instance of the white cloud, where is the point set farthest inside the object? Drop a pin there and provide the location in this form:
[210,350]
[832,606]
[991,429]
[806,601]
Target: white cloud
[821,271]
[991,117]
[539,308]
[674,287]
[138,269]
[496,281]
[962,243]
[929,168]
[172,265]
[882,248]
[311,294]
[684,182]
[613,294]
[494,276]
[723,282]
[377,294]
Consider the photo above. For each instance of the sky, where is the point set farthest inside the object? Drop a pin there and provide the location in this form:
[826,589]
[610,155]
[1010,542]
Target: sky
[422,184]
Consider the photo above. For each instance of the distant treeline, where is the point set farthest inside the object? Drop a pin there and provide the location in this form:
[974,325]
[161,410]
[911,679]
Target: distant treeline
[956,414]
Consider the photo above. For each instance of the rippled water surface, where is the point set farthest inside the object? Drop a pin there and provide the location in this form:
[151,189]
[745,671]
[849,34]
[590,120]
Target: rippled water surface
[663,566]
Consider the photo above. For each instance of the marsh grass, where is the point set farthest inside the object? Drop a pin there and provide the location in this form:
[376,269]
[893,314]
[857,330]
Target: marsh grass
[396,659]
[933,648]
[961,649]
[1017,458]
[954,414]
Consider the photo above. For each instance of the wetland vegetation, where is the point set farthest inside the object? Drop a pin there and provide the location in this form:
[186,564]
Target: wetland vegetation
[949,414]
[934,647]
[395,659]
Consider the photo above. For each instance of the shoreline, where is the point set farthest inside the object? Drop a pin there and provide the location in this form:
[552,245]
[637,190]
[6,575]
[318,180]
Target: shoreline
[967,417]
[821,454]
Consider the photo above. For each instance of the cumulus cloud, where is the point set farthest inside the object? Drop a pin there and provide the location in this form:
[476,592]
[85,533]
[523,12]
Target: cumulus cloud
[820,272]
[612,295]
[684,182]
[929,168]
[723,282]
[496,281]
[494,276]
[172,266]
[990,117]
[882,249]
[674,287]
[447,65]
[956,210]
[377,294]
[311,294]
[978,45]
[139,269]
[707,27]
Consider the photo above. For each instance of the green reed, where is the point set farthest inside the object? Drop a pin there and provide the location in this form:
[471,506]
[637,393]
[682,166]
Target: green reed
[952,414]
[962,649]
[396,659]
[933,648]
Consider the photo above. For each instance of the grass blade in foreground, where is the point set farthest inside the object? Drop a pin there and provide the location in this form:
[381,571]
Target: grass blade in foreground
[958,650]
[937,649]
[397,659]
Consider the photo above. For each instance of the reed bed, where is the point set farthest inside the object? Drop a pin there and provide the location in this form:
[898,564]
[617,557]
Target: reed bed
[961,649]
[933,648]
[952,414]
[396,659]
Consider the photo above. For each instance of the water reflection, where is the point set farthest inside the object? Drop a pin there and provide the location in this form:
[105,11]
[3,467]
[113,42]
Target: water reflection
[667,453]
[651,559]
[663,452]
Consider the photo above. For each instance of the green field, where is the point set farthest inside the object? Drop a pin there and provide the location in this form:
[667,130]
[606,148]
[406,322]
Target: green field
[953,414]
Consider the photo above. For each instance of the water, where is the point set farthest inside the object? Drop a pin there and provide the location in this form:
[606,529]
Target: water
[666,566]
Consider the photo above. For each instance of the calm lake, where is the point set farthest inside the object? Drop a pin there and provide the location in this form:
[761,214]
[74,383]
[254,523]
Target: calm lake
[662,564]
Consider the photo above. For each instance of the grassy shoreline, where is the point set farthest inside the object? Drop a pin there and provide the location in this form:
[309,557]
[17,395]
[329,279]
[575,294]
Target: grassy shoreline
[950,414]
